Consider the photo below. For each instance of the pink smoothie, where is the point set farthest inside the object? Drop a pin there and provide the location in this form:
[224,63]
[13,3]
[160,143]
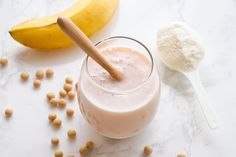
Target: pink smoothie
[120,108]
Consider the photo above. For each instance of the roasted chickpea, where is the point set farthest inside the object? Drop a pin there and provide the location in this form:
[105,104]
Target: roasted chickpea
[50,95]
[71,133]
[24,76]
[147,150]
[62,93]
[57,123]
[83,150]
[49,73]
[8,112]
[39,74]
[69,112]
[55,141]
[62,103]
[71,95]
[90,145]
[3,61]
[37,83]
[58,153]
[69,80]
[67,87]
[52,117]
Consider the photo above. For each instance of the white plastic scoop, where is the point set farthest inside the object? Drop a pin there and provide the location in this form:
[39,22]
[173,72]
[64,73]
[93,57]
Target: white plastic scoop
[180,50]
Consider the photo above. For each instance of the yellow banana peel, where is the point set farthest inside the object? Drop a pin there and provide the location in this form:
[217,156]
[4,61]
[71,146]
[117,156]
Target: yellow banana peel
[44,33]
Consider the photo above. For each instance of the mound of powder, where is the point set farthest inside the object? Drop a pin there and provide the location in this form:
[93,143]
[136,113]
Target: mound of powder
[179,47]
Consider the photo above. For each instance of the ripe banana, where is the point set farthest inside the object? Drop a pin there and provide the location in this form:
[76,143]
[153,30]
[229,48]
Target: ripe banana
[44,33]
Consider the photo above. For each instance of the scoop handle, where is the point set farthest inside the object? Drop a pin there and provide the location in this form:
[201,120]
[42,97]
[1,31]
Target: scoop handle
[205,103]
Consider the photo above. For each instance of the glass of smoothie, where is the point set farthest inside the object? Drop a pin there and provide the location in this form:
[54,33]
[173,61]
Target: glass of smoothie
[119,109]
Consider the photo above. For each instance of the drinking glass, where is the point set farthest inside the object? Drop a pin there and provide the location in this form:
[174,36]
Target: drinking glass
[144,98]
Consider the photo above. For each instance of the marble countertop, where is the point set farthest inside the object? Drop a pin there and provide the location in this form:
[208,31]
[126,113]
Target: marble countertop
[178,126]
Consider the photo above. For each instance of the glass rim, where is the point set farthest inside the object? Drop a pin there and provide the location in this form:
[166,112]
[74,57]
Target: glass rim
[127,91]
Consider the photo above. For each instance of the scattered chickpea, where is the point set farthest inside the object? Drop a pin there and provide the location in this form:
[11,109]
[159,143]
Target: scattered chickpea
[8,112]
[181,155]
[24,76]
[69,112]
[3,61]
[71,95]
[57,123]
[37,83]
[70,155]
[71,133]
[49,73]
[90,145]
[69,80]
[83,150]
[62,103]
[67,87]
[55,141]
[54,102]
[62,93]
[58,153]
[147,150]
[50,95]
[52,117]
[39,74]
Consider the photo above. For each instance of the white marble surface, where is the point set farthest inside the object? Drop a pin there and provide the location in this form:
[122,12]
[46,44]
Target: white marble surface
[179,124]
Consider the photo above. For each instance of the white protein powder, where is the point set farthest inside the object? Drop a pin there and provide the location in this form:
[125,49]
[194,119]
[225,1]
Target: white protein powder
[179,47]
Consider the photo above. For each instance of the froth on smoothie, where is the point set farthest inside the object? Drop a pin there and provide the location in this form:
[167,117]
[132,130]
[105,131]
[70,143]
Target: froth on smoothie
[135,66]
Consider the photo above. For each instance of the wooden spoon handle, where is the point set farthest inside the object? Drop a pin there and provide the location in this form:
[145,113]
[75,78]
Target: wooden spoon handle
[85,44]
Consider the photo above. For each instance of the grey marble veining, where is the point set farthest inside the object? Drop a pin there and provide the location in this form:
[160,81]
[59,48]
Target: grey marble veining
[178,126]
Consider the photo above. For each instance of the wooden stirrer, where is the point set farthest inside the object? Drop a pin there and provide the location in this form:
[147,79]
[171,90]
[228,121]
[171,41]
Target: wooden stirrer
[69,28]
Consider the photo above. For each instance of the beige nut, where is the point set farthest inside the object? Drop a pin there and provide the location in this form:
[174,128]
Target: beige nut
[55,141]
[62,93]
[58,153]
[54,102]
[3,61]
[49,73]
[90,145]
[62,103]
[57,123]
[71,133]
[37,83]
[50,95]
[69,80]
[83,150]
[67,87]
[52,117]
[147,150]
[71,95]
[8,112]
[39,74]
[24,76]
[69,112]
[181,155]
